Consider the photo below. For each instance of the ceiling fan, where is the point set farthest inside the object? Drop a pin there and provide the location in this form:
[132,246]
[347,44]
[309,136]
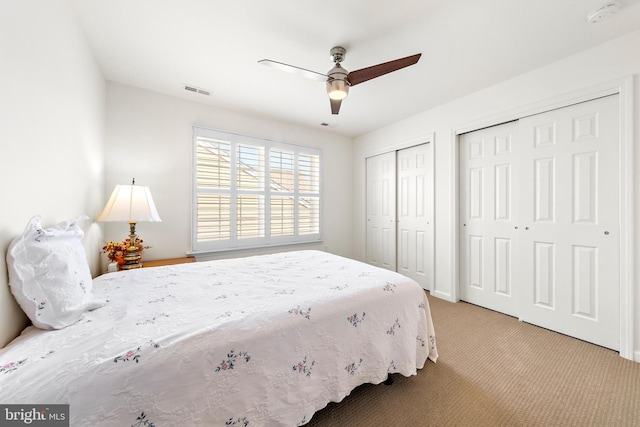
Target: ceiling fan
[338,79]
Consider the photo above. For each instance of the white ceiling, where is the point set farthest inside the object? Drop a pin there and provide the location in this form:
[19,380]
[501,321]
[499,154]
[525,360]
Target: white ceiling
[466,45]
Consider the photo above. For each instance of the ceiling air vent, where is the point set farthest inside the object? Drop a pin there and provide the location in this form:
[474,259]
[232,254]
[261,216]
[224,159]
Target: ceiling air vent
[196,89]
[328,125]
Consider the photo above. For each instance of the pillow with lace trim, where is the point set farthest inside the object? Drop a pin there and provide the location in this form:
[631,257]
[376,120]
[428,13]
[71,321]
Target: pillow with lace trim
[49,275]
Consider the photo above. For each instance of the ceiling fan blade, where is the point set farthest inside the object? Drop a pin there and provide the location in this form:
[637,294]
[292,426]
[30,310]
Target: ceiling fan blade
[364,74]
[294,70]
[335,105]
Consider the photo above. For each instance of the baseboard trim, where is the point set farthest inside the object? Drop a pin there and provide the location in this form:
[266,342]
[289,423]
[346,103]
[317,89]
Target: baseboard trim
[442,295]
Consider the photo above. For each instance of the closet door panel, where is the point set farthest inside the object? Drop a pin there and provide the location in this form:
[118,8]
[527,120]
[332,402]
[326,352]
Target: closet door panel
[570,212]
[381,211]
[488,218]
[415,229]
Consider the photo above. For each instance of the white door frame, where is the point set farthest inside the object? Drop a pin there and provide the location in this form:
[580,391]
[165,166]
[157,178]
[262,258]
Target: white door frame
[623,87]
[428,138]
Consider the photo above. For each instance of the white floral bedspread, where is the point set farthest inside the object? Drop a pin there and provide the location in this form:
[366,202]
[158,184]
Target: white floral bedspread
[259,341]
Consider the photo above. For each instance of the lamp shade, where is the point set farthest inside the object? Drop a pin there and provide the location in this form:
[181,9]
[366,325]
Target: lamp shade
[130,203]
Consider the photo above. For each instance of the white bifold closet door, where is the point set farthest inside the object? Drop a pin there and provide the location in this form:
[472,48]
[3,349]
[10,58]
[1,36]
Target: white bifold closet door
[540,220]
[400,213]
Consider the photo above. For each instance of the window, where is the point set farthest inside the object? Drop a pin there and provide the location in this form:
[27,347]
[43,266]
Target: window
[250,192]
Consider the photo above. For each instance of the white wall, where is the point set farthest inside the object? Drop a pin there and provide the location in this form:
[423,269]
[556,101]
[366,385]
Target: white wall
[51,130]
[594,67]
[149,137]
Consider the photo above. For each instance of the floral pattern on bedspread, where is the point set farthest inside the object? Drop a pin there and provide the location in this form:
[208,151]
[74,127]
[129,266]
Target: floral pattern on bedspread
[355,319]
[232,358]
[304,367]
[142,420]
[129,355]
[7,368]
[265,340]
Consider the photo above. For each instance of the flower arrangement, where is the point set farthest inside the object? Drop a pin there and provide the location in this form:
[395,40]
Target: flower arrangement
[116,251]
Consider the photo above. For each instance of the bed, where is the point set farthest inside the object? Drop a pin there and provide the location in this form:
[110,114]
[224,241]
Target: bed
[256,341]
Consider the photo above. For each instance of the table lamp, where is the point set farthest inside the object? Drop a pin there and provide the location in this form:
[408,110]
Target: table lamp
[132,204]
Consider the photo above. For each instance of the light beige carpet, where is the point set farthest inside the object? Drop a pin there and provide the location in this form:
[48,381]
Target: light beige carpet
[496,371]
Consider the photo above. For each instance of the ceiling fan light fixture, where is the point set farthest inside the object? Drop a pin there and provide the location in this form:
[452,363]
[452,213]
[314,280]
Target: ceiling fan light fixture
[338,80]
[337,89]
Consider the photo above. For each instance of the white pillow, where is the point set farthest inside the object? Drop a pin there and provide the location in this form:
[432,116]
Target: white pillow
[49,275]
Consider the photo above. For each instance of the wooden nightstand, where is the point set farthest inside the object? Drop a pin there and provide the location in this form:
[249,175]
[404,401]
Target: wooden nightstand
[169,261]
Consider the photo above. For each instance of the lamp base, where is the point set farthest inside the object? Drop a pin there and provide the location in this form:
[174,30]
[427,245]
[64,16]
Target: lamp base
[129,266]
[131,260]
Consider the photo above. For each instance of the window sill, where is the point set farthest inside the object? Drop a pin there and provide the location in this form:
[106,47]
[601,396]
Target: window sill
[255,250]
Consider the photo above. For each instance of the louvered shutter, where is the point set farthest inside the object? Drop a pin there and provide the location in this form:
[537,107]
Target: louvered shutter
[250,192]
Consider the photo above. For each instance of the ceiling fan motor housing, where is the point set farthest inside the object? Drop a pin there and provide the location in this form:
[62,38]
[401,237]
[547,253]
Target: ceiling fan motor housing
[337,83]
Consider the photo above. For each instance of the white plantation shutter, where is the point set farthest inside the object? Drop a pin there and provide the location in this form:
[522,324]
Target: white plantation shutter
[250,192]
[309,193]
[214,217]
[283,185]
[214,179]
[250,179]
